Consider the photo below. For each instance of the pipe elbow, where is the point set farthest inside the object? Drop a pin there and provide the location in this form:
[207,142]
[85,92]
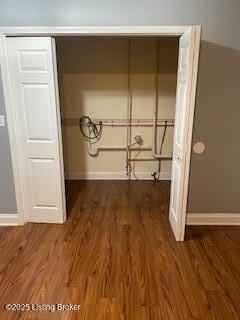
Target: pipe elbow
[92,152]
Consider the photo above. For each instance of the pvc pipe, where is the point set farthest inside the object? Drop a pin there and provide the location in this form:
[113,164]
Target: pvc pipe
[96,150]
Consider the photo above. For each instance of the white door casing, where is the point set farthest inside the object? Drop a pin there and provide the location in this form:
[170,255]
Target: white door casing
[34,87]
[185,100]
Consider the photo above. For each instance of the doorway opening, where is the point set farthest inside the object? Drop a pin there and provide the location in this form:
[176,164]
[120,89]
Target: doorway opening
[127,105]
[117,101]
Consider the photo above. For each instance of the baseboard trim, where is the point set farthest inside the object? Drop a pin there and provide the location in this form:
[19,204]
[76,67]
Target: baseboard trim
[9,219]
[213,219]
[113,176]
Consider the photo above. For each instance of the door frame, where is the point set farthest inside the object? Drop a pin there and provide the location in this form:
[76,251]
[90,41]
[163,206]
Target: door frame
[14,137]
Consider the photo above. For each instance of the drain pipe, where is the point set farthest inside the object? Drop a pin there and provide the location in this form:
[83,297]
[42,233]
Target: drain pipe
[94,152]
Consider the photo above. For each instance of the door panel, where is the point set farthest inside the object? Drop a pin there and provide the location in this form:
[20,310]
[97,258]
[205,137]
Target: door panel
[43,190]
[185,100]
[31,62]
[36,99]
[180,115]
[175,190]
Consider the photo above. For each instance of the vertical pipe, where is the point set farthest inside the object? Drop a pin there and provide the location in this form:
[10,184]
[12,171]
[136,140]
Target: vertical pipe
[155,116]
[128,133]
[89,144]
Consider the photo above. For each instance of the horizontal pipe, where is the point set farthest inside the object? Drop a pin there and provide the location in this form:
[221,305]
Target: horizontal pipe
[134,120]
[137,125]
[152,159]
[122,148]
[157,156]
[121,122]
[115,148]
[119,148]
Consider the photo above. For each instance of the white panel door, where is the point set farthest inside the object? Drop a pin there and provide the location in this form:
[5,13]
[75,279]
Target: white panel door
[185,101]
[34,89]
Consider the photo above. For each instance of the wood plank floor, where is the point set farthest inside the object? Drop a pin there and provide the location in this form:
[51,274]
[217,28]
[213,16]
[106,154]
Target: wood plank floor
[117,258]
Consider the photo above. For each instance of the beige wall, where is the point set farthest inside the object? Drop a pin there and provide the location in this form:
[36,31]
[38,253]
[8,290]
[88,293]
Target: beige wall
[93,82]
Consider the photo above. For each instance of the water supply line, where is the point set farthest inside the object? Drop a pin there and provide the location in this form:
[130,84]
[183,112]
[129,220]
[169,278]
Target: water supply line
[129,111]
[94,150]
[155,116]
[155,113]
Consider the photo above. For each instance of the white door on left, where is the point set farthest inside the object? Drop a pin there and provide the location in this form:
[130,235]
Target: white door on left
[35,97]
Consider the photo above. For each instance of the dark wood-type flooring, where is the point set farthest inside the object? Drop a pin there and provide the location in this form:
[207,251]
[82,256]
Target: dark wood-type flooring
[116,256]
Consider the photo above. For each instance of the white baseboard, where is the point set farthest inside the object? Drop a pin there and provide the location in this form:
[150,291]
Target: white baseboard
[9,219]
[213,219]
[113,176]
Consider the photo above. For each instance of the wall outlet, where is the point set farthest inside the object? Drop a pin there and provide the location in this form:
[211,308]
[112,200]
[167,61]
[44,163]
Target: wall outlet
[2,120]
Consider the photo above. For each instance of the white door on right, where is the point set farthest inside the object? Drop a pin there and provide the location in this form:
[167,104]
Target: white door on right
[185,101]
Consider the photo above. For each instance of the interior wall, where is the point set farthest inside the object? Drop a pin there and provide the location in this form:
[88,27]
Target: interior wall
[7,192]
[93,81]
